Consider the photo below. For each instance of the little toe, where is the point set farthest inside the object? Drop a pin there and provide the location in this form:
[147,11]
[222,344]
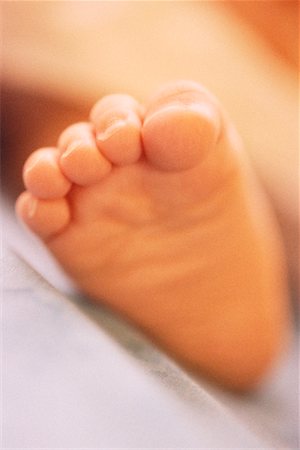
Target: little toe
[43,176]
[117,122]
[80,160]
[182,124]
[45,218]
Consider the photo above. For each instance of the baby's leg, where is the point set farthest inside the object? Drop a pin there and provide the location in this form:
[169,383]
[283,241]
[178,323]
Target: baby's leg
[157,215]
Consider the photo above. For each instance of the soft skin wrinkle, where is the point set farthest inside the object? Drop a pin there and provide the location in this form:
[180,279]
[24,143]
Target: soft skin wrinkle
[168,229]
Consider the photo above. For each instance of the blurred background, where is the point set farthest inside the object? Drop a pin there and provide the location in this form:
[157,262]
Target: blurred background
[59,57]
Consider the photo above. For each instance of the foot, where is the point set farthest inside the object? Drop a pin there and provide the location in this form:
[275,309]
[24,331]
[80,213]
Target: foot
[154,212]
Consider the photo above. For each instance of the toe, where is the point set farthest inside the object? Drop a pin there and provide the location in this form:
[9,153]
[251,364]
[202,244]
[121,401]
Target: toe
[43,176]
[117,121]
[182,124]
[80,160]
[45,218]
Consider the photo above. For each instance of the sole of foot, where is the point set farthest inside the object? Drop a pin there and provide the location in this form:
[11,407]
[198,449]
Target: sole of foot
[153,211]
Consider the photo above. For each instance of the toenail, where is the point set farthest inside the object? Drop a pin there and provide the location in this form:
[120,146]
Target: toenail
[32,163]
[202,109]
[32,207]
[112,129]
[75,145]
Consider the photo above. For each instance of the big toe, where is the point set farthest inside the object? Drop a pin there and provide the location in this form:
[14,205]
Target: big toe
[182,124]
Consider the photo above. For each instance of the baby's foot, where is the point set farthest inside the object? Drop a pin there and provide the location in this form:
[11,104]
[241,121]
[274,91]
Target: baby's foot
[155,213]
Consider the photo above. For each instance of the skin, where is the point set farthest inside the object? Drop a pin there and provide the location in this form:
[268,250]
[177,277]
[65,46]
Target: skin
[154,211]
[249,59]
